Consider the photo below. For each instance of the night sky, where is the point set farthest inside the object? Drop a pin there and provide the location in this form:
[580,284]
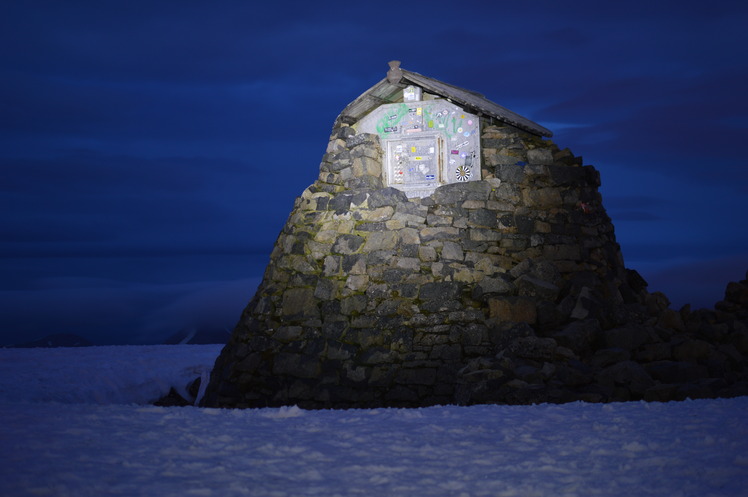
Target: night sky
[150,151]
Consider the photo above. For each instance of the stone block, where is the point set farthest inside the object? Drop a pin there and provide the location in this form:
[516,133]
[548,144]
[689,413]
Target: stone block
[629,374]
[409,263]
[439,233]
[512,309]
[427,254]
[366,166]
[434,220]
[249,364]
[651,352]
[692,350]
[354,264]
[661,393]
[299,302]
[509,172]
[535,171]
[379,214]
[288,333]
[420,376]
[331,266]
[524,224]
[452,251]
[442,289]
[347,244]
[508,194]
[386,196]
[377,356]
[497,285]
[355,374]
[440,296]
[401,395]
[627,337]
[353,140]
[543,198]
[409,236]
[353,304]
[483,218]
[737,293]
[457,193]
[384,240]
[607,357]
[483,235]
[296,365]
[531,286]
[676,371]
[562,252]
[540,156]
[536,348]
[357,282]
[578,335]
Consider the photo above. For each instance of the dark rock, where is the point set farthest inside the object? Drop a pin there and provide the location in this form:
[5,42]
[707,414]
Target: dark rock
[654,352]
[672,320]
[656,303]
[386,196]
[355,140]
[459,192]
[534,348]
[692,350]
[502,334]
[676,372]
[513,309]
[629,374]
[606,357]
[661,393]
[534,287]
[737,293]
[172,399]
[626,337]
[635,281]
[498,285]
[510,173]
[579,336]
[587,305]
[347,244]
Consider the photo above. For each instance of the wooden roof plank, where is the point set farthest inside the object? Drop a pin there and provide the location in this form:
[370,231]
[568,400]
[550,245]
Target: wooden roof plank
[385,90]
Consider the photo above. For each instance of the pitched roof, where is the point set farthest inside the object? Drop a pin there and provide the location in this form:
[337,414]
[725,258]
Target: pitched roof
[389,90]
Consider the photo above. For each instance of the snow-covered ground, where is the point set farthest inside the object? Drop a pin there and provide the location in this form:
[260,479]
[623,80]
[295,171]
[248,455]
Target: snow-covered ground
[133,374]
[75,422]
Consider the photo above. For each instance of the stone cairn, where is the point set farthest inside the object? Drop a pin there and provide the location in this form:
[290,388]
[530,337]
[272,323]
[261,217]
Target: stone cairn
[511,289]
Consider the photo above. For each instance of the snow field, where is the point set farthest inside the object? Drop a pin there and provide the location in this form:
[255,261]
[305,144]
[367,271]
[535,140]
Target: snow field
[131,374]
[692,448]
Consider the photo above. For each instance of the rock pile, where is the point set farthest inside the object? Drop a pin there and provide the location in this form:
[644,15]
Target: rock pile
[511,289]
[658,355]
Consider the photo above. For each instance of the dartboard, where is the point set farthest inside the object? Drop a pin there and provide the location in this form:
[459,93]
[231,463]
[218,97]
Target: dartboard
[463,173]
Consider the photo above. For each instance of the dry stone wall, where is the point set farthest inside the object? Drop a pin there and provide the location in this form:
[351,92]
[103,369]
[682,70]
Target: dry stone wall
[509,289]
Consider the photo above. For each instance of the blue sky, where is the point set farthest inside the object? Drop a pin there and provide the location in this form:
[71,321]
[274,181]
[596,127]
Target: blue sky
[150,152]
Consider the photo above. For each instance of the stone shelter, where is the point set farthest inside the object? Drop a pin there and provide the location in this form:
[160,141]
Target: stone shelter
[450,253]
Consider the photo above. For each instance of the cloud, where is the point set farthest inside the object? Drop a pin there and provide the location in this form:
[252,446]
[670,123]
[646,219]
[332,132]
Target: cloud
[214,305]
[90,202]
[700,283]
[117,312]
